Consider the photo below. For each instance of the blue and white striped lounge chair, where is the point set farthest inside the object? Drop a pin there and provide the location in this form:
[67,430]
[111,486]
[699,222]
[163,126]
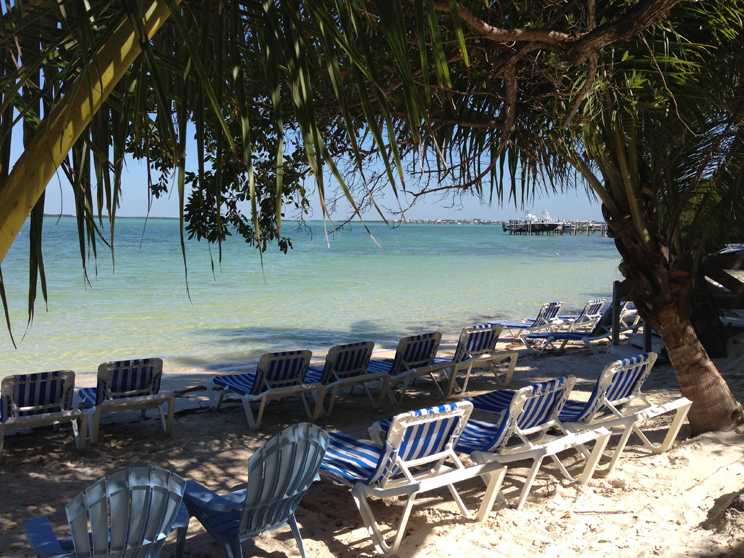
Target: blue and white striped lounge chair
[417,456]
[414,357]
[587,318]
[608,406]
[40,399]
[599,336]
[127,513]
[525,416]
[346,366]
[279,475]
[127,385]
[475,351]
[277,376]
[546,316]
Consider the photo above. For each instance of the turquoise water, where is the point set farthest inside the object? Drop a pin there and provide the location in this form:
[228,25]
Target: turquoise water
[423,277]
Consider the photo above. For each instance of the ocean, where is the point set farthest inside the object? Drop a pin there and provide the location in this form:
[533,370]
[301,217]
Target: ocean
[421,277]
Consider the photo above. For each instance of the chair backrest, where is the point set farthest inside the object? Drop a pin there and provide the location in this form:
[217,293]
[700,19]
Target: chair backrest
[286,368]
[591,313]
[620,382]
[416,351]
[548,312]
[129,378]
[476,340]
[127,513]
[421,437]
[279,474]
[34,394]
[345,361]
[532,410]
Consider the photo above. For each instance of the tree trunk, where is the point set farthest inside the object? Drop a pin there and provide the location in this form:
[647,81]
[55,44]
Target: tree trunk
[661,294]
[714,406]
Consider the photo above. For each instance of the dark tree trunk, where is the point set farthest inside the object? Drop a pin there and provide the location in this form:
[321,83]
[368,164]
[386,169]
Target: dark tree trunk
[662,297]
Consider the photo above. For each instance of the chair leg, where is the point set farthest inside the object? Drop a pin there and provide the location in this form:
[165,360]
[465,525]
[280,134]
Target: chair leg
[591,463]
[2,440]
[458,500]
[252,423]
[78,433]
[619,448]
[220,397]
[493,487]
[528,482]
[233,548]
[318,397]
[368,518]
[169,417]
[181,541]
[94,425]
[297,535]
[674,428]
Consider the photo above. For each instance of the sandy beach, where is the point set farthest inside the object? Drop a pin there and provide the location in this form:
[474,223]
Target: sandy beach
[674,504]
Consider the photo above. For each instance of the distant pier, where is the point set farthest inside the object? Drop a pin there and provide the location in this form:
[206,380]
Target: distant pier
[542,227]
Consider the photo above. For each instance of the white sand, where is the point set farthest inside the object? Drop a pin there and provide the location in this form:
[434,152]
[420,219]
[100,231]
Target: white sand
[654,505]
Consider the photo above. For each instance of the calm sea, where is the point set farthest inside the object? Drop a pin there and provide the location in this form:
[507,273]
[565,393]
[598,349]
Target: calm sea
[422,277]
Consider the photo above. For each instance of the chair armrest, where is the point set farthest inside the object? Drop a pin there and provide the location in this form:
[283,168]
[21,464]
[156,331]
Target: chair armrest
[41,536]
[199,498]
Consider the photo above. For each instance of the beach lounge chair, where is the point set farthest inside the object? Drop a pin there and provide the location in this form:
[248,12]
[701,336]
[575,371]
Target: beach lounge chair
[597,338]
[525,416]
[279,475]
[475,351]
[277,376]
[587,318]
[127,385]
[547,314]
[127,513]
[346,366]
[608,406]
[417,456]
[415,352]
[40,399]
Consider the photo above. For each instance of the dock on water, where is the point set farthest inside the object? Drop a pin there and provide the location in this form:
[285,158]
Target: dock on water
[550,227]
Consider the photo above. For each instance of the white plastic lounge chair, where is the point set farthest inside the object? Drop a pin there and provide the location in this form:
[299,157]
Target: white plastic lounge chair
[546,316]
[608,406]
[127,385]
[278,376]
[525,416]
[417,456]
[597,338]
[279,475]
[415,352]
[587,318]
[40,399]
[127,513]
[475,351]
[346,366]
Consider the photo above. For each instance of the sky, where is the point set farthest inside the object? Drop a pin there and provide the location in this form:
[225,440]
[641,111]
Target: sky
[573,204]
[568,205]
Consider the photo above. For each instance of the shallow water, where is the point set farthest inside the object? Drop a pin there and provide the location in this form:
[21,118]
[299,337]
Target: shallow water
[423,277]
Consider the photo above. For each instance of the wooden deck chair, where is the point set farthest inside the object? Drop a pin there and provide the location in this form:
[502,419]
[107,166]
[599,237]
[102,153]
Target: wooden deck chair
[126,513]
[346,366]
[416,456]
[279,475]
[277,376]
[127,385]
[520,432]
[415,352]
[40,399]
[608,406]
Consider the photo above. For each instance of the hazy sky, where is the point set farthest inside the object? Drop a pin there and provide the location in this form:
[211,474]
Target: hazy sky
[572,204]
